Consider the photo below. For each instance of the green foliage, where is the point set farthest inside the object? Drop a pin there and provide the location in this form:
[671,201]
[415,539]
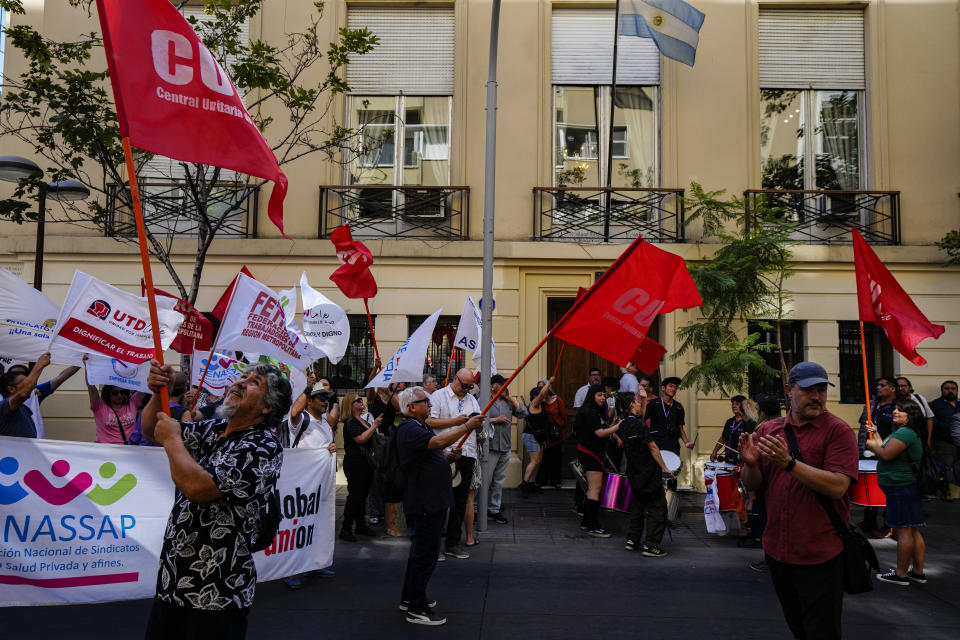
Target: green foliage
[575,176]
[61,106]
[950,244]
[744,281]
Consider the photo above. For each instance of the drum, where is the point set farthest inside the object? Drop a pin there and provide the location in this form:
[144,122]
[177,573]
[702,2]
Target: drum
[616,493]
[726,480]
[672,461]
[720,468]
[866,491]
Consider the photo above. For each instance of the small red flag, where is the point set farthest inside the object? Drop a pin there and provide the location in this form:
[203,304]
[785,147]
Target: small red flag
[195,332]
[648,355]
[174,99]
[353,276]
[612,318]
[883,302]
[224,300]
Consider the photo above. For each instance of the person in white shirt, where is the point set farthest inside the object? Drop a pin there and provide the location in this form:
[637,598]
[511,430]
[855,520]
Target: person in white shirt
[905,392]
[595,376]
[430,384]
[451,407]
[629,382]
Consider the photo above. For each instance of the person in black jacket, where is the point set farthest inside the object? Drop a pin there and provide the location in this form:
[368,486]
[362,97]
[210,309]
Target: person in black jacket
[593,427]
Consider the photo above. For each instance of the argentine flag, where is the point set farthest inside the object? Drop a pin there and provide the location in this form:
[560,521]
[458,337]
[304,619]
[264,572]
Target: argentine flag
[674,26]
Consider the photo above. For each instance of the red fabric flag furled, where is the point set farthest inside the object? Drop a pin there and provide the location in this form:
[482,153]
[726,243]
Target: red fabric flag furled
[883,302]
[353,276]
[648,355]
[174,99]
[195,332]
[224,300]
[612,318]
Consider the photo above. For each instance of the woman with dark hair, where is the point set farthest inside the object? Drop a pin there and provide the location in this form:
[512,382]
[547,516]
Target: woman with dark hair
[114,412]
[551,466]
[534,434]
[593,427]
[359,437]
[897,457]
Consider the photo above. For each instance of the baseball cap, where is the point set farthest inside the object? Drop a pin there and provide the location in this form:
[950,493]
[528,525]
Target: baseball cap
[808,374]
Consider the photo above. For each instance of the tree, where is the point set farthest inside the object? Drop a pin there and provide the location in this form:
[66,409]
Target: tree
[64,111]
[743,281]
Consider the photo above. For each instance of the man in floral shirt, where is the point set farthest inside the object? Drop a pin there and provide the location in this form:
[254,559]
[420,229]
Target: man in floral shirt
[224,469]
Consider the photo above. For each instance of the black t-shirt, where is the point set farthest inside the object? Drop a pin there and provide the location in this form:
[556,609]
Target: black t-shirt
[586,423]
[429,486]
[377,407]
[353,450]
[643,472]
[665,422]
[732,430]
[536,424]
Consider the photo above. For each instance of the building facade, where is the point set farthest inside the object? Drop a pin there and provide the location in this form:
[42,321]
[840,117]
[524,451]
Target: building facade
[843,111]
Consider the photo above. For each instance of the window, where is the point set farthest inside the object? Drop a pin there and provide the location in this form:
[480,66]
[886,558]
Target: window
[3,41]
[351,373]
[791,341]
[401,102]
[440,352]
[879,359]
[582,94]
[812,99]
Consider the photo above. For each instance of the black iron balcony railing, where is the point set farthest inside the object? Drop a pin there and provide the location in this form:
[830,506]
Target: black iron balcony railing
[386,211]
[826,217]
[580,214]
[169,210]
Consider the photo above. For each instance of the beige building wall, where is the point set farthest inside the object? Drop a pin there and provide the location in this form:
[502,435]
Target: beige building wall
[709,132]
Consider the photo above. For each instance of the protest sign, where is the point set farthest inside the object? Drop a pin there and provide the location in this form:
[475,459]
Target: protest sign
[406,365]
[27,318]
[98,537]
[224,370]
[101,370]
[325,324]
[97,317]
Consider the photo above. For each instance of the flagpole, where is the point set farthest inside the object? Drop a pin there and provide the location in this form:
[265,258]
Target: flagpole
[145,260]
[213,347]
[559,357]
[453,352]
[613,95]
[866,381]
[373,337]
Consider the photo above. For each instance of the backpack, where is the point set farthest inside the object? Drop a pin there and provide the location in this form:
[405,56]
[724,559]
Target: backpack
[392,476]
[269,523]
[928,472]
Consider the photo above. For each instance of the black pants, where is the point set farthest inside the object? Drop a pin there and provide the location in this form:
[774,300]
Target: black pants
[459,509]
[811,597]
[183,623]
[359,478]
[551,465]
[426,534]
[650,509]
[757,516]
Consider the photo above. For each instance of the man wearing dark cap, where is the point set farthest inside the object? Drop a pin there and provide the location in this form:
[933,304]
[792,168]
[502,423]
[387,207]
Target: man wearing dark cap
[499,419]
[794,461]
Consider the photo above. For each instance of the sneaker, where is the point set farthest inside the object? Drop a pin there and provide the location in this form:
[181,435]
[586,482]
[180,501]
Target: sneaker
[321,573]
[760,567]
[653,551]
[442,557]
[426,617]
[892,577]
[364,530]
[631,545]
[920,578]
[346,534]
[405,605]
[293,582]
[497,517]
[598,532]
[456,552]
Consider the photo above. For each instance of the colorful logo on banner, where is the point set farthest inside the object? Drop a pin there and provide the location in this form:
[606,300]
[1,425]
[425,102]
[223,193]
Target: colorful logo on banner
[37,482]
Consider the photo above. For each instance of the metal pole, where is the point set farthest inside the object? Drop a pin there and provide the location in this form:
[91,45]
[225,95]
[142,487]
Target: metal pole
[489,193]
[41,230]
[613,95]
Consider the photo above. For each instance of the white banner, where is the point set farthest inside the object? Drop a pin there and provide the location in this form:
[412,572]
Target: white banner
[27,318]
[325,323]
[224,371]
[84,522]
[406,365]
[100,318]
[469,331]
[102,370]
[255,322]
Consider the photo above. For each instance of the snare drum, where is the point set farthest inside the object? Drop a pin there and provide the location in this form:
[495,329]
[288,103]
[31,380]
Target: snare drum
[866,491]
[726,479]
[616,493]
[672,461]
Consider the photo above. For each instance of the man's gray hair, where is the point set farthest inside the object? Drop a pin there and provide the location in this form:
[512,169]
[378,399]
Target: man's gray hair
[427,378]
[279,395]
[408,395]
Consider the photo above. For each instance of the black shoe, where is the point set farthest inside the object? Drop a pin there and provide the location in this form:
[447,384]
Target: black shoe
[631,545]
[598,532]
[405,605]
[497,517]
[364,530]
[920,578]
[426,617]
[346,534]
[653,551]
[892,577]
[760,567]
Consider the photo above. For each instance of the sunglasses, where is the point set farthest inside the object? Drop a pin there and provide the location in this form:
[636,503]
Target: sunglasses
[119,392]
[464,385]
[427,400]
[356,400]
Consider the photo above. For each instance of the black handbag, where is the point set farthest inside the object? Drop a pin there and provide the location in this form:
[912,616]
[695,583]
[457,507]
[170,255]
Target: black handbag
[858,557]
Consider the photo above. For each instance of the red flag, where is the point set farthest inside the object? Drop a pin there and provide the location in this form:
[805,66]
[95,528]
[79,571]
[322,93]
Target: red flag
[648,355]
[195,332]
[353,276]
[612,318]
[174,99]
[883,302]
[224,300]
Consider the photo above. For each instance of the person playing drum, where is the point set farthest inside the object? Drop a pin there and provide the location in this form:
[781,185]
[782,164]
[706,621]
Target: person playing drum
[644,464]
[592,428]
[730,438]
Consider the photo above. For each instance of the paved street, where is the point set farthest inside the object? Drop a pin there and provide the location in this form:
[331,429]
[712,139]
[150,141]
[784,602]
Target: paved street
[541,575]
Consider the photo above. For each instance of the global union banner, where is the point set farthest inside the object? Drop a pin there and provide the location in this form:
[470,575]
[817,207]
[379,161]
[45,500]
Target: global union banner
[83,522]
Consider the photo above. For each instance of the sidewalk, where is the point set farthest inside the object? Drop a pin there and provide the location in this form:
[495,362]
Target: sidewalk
[541,575]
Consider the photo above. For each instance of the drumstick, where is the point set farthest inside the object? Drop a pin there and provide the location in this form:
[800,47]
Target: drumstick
[721,443]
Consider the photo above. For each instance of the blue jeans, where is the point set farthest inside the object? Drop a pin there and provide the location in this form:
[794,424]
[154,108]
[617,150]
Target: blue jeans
[426,539]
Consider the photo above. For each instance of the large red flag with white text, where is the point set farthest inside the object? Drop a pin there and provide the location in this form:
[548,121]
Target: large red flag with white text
[611,319]
[882,301]
[174,99]
[353,276]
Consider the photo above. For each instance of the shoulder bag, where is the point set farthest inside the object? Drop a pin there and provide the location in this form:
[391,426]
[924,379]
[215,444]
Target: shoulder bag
[858,557]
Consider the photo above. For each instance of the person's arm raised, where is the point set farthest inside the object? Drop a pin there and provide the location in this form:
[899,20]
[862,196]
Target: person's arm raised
[25,388]
[160,377]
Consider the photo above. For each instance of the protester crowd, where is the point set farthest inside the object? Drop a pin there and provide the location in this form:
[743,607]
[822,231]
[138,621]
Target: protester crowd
[792,470]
